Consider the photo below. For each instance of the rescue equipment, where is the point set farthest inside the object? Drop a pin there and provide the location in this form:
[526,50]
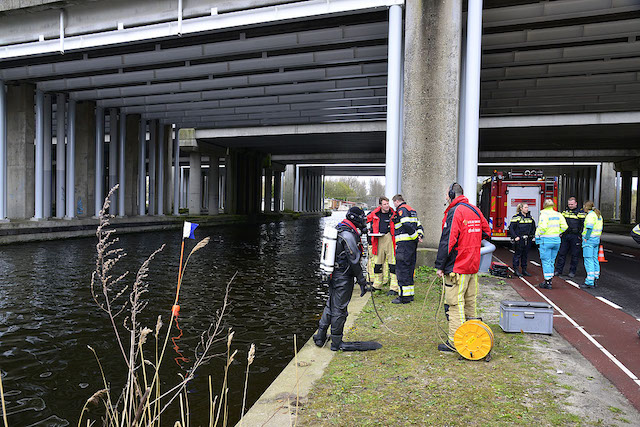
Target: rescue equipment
[474,340]
[328,252]
[601,255]
[499,269]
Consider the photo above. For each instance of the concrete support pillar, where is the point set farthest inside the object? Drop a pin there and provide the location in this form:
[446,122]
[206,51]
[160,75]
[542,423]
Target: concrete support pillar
[60,156]
[122,136]
[142,168]
[131,164]
[70,210]
[176,171]
[607,196]
[46,179]
[99,155]
[195,183]
[213,195]
[625,198]
[231,164]
[20,128]
[268,177]
[160,170]
[39,161]
[394,97]
[596,185]
[153,161]
[430,143]
[85,159]
[167,169]
[277,191]
[289,187]
[3,151]
[113,158]
[472,99]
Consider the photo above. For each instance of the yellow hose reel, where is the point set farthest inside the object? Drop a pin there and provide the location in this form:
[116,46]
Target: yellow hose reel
[474,340]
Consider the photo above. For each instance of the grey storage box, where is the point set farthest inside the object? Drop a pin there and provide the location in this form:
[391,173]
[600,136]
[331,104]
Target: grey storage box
[524,316]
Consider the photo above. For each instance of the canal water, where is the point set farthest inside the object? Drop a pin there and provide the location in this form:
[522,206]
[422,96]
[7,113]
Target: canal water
[48,316]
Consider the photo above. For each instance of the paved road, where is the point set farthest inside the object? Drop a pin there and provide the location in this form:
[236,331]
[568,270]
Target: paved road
[600,323]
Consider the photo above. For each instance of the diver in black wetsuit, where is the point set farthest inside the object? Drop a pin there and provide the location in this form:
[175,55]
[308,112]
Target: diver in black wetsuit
[347,267]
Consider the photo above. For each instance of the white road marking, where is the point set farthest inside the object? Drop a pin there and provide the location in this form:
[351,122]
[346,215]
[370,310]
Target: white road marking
[572,283]
[627,255]
[535,263]
[606,301]
[512,251]
[581,329]
[608,250]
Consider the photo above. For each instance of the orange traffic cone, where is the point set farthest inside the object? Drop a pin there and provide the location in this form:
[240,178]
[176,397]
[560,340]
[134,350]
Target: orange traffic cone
[601,255]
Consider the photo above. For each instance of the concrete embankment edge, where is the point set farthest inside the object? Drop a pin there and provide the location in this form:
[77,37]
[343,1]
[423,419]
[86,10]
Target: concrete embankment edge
[276,407]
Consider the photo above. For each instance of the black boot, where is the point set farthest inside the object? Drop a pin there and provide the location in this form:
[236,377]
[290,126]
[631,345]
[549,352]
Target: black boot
[403,300]
[546,284]
[338,344]
[524,272]
[516,272]
[320,338]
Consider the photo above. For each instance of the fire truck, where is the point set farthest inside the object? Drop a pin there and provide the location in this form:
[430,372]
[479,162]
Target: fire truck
[503,191]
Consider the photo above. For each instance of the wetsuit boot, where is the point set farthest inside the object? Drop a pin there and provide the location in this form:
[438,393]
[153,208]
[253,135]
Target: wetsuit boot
[320,339]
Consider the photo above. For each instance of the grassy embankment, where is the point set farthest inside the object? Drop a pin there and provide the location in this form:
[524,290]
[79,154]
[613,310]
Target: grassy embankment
[409,382]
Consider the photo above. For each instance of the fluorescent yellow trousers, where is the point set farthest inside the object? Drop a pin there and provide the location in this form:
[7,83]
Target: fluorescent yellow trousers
[460,293]
[384,264]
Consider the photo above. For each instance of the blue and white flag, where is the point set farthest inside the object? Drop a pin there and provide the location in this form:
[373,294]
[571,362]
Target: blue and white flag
[189,228]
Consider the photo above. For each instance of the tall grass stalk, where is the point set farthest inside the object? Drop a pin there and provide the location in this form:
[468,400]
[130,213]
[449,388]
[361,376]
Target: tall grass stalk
[250,357]
[4,407]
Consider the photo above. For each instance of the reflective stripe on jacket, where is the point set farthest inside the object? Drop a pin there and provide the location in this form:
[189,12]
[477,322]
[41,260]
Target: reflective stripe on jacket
[374,219]
[593,222]
[575,220]
[551,223]
[635,233]
[406,223]
[522,225]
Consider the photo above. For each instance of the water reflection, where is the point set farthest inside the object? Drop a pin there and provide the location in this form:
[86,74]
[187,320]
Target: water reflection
[48,317]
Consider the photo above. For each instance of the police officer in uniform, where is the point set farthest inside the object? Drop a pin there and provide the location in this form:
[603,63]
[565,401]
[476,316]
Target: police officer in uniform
[571,239]
[522,229]
[409,232]
[347,267]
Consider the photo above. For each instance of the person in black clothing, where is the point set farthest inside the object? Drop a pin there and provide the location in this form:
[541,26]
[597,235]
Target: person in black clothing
[522,229]
[571,240]
[347,267]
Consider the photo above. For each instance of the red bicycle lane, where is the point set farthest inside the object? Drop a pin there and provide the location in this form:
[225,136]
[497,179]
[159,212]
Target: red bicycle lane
[603,334]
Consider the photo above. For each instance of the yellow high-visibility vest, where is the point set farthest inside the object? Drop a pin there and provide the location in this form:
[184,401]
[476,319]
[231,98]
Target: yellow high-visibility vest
[592,221]
[551,223]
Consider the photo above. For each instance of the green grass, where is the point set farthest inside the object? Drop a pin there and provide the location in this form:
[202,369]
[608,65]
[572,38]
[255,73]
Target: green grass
[408,382]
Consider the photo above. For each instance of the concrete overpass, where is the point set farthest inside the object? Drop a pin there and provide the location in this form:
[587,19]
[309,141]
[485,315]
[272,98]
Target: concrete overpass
[260,86]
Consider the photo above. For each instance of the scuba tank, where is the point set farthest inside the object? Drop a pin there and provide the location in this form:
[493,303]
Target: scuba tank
[328,251]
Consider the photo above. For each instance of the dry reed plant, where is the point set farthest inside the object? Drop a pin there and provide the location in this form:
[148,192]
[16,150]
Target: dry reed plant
[141,402]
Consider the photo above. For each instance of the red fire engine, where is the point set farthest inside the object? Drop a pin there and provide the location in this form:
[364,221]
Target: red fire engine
[502,193]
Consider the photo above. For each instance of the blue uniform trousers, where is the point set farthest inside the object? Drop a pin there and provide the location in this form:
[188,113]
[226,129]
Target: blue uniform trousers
[549,247]
[591,263]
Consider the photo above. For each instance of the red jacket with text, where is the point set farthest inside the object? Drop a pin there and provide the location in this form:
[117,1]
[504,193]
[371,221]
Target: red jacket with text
[463,228]
[374,219]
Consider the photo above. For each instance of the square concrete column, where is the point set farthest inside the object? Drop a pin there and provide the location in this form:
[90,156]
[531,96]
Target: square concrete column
[213,196]
[432,54]
[113,158]
[167,170]
[153,162]
[277,191]
[132,163]
[230,202]
[48,145]
[61,107]
[195,183]
[638,199]
[289,187]
[268,177]
[21,122]
[625,198]
[85,159]
[160,165]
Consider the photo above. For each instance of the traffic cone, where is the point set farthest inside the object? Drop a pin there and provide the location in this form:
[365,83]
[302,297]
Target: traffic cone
[601,255]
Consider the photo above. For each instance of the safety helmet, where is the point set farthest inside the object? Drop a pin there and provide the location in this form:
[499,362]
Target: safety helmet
[357,217]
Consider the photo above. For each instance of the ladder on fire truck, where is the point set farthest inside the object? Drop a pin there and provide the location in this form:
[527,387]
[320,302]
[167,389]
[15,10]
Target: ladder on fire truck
[549,188]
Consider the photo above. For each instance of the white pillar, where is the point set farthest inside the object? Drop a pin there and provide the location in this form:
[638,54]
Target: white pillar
[121,142]
[176,171]
[213,193]
[71,164]
[3,151]
[461,120]
[47,158]
[39,166]
[161,148]
[153,135]
[113,157]
[99,160]
[394,77]
[194,202]
[60,156]
[596,197]
[142,169]
[472,99]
